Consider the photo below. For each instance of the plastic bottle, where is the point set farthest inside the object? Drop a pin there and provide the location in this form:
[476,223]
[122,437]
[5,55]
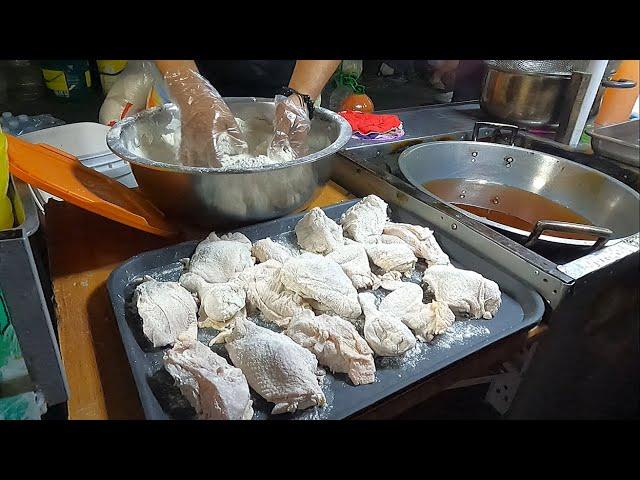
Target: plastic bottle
[617,103]
[67,79]
[110,71]
[6,209]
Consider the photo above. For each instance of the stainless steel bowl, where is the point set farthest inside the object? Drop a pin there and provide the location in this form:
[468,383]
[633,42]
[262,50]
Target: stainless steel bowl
[212,197]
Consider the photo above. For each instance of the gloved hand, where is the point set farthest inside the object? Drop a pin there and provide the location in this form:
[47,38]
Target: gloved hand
[208,128]
[291,125]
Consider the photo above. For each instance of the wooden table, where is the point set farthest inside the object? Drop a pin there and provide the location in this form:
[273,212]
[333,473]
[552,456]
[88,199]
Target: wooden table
[83,251]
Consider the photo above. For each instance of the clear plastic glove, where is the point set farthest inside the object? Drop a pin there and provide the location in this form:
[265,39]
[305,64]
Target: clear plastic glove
[291,126]
[208,128]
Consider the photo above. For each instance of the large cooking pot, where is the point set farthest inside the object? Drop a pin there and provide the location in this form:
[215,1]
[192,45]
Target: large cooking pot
[569,199]
[214,198]
[531,93]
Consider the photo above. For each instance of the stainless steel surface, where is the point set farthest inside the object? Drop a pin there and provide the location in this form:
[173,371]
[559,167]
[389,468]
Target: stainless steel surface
[362,178]
[570,110]
[534,93]
[209,196]
[599,198]
[547,67]
[619,142]
[549,225]
[26,305]
[525,99]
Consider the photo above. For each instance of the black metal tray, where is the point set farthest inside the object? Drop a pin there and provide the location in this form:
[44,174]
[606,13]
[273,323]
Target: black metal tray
[521,307]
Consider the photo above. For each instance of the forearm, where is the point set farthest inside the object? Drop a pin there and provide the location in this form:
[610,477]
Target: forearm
[310,76]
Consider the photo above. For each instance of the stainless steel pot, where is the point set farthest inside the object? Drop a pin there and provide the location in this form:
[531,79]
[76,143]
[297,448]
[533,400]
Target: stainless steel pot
[532,93]
[211,197]
[611,207]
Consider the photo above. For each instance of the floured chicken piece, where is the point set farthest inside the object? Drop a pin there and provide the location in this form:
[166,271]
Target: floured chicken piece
[317,233]
[215,389]
[439,319]
[322,280]
[389,281]
[219,260]
[167,310]
[425,321]
[365,221]
[266,293]
[420,240]
[219,302]
[233,237]
[276,367]
[267,249]
[384,333]
[336,344]
[467,293]
[352,258]
[390,257]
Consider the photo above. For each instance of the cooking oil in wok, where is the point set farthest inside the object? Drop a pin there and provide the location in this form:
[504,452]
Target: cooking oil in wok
[505,205]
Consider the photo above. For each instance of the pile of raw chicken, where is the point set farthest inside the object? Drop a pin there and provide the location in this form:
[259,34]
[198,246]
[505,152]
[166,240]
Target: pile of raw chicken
[312,297]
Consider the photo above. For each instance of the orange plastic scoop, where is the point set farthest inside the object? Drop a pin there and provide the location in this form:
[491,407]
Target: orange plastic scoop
[62,175]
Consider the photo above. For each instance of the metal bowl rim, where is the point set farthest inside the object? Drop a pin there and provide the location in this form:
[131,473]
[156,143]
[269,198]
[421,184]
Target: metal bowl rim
[115,143]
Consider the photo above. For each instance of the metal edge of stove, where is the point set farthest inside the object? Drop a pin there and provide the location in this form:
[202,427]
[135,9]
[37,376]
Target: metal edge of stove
[362,179]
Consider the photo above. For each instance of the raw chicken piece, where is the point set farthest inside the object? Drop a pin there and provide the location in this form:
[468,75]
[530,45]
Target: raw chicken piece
[167,310]
[219,302]
[439,319]
[218,260]
[265,292]
[384,333]
[467,293]
[365,221]
[425,321]
[389,281]
[276,367]
[352,258]
[267,249]
[391,256]
[336,343]
[236,237]
[420,239]
[317,233]
[215,389]
[321,279]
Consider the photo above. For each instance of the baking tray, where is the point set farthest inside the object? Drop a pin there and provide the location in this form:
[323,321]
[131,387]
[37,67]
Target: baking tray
[619,142]
[521,307]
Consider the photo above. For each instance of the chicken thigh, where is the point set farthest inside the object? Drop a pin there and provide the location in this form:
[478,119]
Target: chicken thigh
[365,221]
[215,389]
[322,280]
[219,302]
[352,258]
[425,321]
[336,343]
[391,256]
[266,293]
[467,293]
[317,233]
[219,260]
[267,249]
[167,310]
[276,367]
[420,240]
[384,333]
